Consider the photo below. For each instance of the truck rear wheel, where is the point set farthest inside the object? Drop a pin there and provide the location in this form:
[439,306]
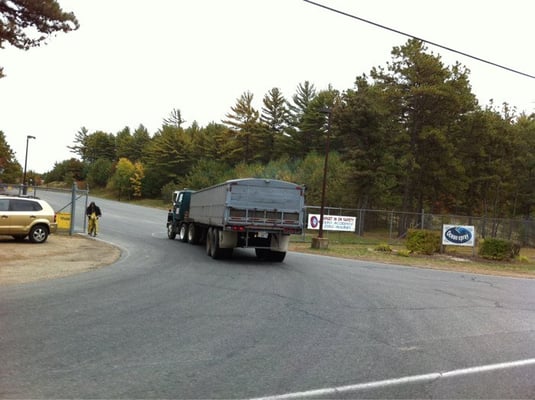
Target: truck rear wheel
[215,250]
[183,233]
[262,254]
[209,242]
[270,255]
[276,256]
[193,235]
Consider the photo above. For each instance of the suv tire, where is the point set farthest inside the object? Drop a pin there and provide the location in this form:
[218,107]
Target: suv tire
[38,234]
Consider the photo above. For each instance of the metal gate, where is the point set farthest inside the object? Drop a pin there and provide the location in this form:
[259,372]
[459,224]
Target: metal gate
[72,202]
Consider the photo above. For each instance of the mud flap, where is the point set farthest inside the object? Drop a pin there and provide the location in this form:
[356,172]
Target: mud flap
[228,240]
[279,242]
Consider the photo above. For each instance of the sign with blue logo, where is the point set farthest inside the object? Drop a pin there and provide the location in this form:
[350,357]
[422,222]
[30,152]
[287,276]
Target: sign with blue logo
[458,235]
[332,222]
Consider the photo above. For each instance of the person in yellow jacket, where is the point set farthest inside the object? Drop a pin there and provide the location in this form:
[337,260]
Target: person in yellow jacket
[93,214]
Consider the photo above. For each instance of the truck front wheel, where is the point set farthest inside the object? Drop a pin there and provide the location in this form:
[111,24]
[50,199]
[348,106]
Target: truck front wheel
[171,234]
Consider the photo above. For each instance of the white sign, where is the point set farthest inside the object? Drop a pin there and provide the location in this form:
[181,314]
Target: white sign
[455,235]
[332,222]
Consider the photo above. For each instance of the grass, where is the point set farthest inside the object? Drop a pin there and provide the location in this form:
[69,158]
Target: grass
[373,248]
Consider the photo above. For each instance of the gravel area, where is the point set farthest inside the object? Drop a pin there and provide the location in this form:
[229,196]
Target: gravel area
[60,255]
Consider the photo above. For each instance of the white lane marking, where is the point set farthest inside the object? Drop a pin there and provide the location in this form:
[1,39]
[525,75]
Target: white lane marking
[400,381]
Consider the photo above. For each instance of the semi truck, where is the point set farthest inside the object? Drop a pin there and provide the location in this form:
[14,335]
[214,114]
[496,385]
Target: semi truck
[246,213]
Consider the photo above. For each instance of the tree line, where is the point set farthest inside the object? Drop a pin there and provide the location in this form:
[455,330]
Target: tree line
[409,136]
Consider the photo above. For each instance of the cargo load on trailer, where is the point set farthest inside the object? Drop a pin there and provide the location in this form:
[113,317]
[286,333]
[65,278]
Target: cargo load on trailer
[248,213]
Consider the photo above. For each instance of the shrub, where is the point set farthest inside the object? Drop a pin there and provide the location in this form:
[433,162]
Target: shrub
[498,249]
[523,259]
[404,253]
[423,241]
[383,247]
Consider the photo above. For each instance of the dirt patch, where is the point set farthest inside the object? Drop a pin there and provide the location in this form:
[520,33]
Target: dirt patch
[60,255]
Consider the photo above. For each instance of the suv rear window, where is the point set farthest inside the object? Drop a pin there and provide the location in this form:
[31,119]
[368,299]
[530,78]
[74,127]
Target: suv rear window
[24,205]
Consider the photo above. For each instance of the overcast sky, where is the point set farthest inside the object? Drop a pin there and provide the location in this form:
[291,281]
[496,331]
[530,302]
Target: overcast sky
[132,61]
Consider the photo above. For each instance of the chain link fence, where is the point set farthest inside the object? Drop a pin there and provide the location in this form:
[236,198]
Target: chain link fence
[392,226]
[381,225]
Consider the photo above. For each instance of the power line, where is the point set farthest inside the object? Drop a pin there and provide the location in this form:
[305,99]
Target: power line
[420,39]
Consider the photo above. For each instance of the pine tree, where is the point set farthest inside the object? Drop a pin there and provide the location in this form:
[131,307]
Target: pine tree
[25,24]
[243,143]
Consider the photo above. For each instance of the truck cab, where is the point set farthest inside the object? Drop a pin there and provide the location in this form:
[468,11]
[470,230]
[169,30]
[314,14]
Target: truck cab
[179,211]
[181,202]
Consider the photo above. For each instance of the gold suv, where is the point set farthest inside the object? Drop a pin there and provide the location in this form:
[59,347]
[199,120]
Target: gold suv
[23,216]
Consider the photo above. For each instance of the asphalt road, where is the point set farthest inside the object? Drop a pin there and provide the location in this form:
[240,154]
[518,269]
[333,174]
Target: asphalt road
[167,321]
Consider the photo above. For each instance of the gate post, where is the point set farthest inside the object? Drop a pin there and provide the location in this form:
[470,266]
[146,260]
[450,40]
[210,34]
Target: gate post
[423,219]
[73,207]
